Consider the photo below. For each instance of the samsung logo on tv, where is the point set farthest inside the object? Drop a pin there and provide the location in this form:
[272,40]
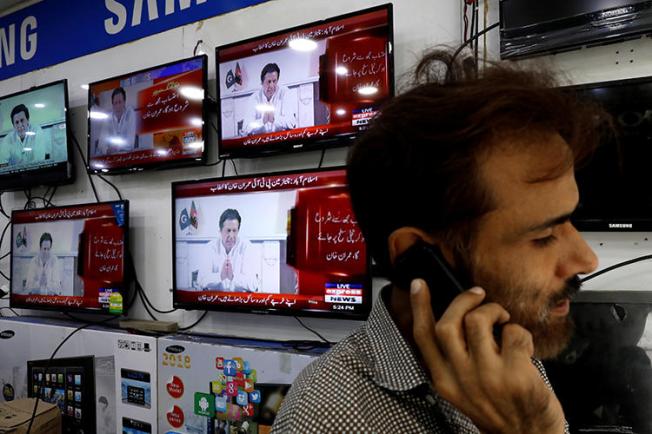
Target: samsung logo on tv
[175,349]
[7,334]
[621,226]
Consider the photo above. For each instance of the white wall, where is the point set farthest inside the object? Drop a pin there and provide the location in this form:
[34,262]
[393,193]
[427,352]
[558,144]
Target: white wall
[418,24]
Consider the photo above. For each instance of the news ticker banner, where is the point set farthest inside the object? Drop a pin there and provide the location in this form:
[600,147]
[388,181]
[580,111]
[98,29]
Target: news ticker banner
[53,31]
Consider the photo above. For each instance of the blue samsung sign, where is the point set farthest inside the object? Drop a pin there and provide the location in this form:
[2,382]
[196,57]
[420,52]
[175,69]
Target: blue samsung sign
[53,31]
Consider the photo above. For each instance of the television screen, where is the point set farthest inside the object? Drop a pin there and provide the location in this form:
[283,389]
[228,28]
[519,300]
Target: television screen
[313,85]
[284,243]
[70,384]
[70,258]
[152,118]
[603,379]
[531,28]
[613,184]
[34,141]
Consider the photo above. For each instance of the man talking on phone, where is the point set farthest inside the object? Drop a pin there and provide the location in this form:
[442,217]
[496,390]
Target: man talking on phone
[481,166]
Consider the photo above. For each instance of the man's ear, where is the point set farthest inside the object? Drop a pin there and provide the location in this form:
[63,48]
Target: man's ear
[403,238]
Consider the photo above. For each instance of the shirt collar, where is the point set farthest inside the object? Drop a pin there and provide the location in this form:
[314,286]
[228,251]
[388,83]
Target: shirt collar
[392,360]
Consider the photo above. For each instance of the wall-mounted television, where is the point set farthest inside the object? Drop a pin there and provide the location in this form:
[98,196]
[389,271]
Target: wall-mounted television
[310,86]
[153,118]
[71,258]
[285,243]
[35,146]
[614,182]
[531,28]
[68,383]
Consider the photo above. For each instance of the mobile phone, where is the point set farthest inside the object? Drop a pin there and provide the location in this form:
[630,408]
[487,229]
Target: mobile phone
[425,261]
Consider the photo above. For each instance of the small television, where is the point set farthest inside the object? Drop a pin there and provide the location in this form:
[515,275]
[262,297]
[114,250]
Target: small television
[71,258]
[284,243]
[70,384]
[613,183]
[532,28]
[315,85]
[35,146]
[153,118]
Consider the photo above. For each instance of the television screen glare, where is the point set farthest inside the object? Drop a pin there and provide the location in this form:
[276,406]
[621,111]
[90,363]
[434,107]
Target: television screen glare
[151,118]
[70,258]
[317,84]
[284,243]
[34,145]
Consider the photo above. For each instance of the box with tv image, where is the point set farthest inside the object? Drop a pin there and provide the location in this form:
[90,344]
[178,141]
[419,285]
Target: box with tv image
[70,258]
[284,243]
[214,386]
[317,84]
[86,378]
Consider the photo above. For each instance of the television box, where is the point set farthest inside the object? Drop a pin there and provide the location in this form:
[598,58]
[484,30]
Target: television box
[197,394]
[153,118]
[70,258]
[288,244]
[35,142]
[68,383]
[528,29]
[613,183]
[114,350]
[15,417]
[315,85]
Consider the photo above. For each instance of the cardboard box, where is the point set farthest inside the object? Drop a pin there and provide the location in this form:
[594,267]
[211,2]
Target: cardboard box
[15,417]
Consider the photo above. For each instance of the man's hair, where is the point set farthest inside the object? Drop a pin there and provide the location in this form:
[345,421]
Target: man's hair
[270,67]
[230,214]
[45,237]
[119,90]
[19,108]
[418,163]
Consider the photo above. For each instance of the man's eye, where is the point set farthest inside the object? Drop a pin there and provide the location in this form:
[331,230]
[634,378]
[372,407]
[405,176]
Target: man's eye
[545,241]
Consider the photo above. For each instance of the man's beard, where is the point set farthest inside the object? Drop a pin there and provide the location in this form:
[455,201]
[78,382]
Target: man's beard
[529,306]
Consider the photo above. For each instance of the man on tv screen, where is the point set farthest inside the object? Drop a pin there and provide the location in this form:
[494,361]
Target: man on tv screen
[118,134]
[26,143]
[43,273]
[269,108]
[230,258]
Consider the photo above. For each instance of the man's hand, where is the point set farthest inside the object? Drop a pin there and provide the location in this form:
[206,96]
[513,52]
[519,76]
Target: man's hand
[268,117]
[498,388]
[227,270]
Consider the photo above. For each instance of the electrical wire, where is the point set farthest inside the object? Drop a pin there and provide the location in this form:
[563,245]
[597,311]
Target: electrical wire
[90,178]
[2,210]
[111,184]
[224,170]
[313,331]
[203,315]
[615,266]
[465,44]
[71,334]
[235,169]
[321,159]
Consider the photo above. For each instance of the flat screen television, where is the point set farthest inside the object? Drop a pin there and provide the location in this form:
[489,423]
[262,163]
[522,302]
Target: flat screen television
[154,118]
[71,258]
[603,379]
[614,182]
[284,243]
[315,85]
[35,146]
[531,28]
[70,384]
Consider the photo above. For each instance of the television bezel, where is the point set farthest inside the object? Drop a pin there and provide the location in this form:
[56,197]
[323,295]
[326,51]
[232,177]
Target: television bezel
[285,147]
[157,165]
[127,276]
[333,314]
[61,174]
